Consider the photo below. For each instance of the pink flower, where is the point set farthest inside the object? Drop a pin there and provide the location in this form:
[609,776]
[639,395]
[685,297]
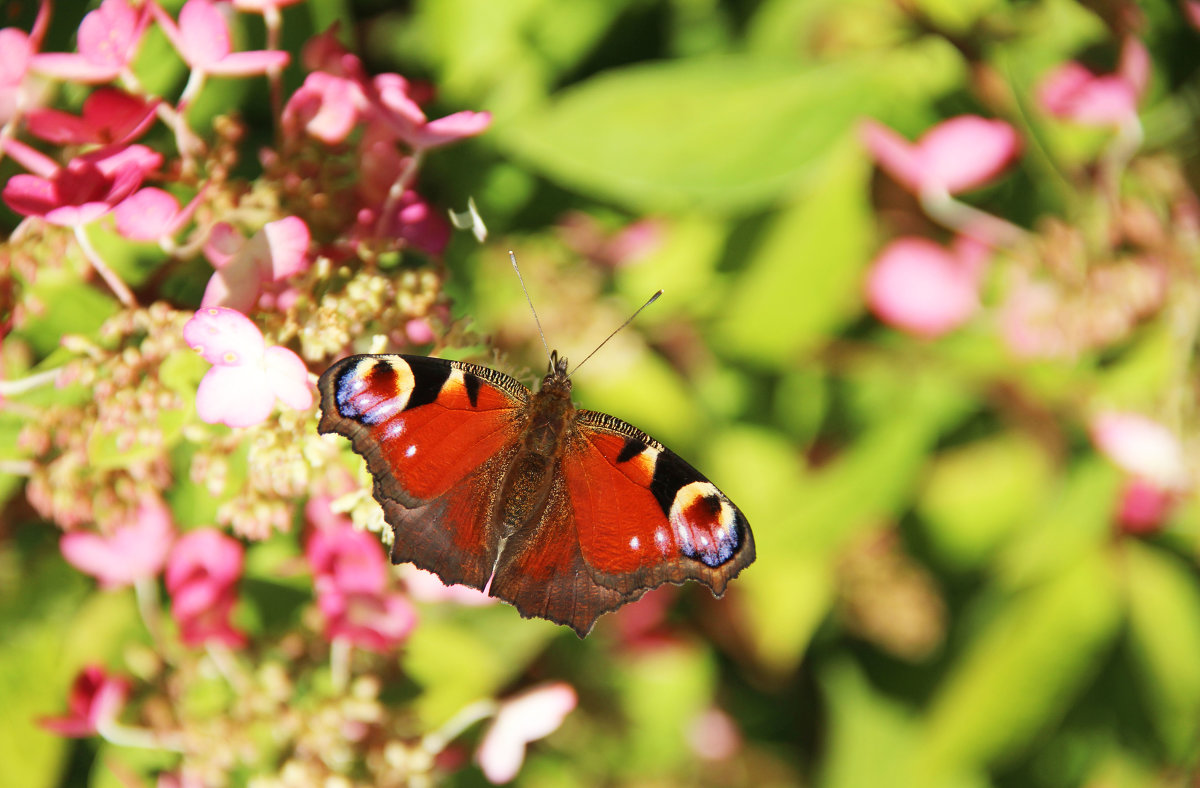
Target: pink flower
[1141,447]
[1144,507]
[133,551]
[392,106]
[350,575]
[428,587]
[1191,11]
[247,376]
[527,717]
[16,53]
[109,117]
[96,700]
[152,214]
[1073,92]
[202,575]
[202,40]
[922,288]
[245,268]
[108,41]
[325,106]
[85,189]
[958,154]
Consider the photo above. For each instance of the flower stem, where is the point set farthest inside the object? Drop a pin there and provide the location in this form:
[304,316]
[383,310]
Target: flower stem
[968,220]
[339,664]
[435,742]
[110,278]
[399,186]
[35,381]
[124,736]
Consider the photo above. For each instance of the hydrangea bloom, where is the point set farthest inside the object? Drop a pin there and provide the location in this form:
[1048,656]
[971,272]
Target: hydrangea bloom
[131,552]
[96,698]
[247,376]
[202,575]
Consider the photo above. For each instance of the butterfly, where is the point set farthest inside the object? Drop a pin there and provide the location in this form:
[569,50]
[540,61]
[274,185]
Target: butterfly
[564,513]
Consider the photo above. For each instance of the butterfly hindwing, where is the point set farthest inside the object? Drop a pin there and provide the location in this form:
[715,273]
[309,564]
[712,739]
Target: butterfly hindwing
[644,516]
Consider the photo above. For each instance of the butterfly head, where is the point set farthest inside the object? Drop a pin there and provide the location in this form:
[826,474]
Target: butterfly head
[556,375]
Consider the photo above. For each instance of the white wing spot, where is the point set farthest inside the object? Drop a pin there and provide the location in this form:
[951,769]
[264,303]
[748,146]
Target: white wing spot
[634,543]
[660,539]
[411,450]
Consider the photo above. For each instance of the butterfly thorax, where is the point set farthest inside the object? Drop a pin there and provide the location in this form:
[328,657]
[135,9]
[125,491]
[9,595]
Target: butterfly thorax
[529,481]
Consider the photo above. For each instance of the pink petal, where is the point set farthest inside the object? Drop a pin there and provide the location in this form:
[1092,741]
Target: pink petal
[204,34]
[235,396]
[966,152]
[31,159]
[224,242]
[893,153]
[147,215]
[523,719]
[225,336]
[287,247]
[452,128]
[1142,447]
[917,286]
[236,286]
[91,553]
[428,587]
[242,64]
[327,107]
[288,378]
[1135,65]
[1144,507]
[216,556]
[1191,10]
[30,195]
[15,54]
[61,128]
[72,67]
[109,35]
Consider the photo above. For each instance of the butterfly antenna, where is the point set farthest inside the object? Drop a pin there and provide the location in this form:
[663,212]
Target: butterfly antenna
[512,256]
[629,320]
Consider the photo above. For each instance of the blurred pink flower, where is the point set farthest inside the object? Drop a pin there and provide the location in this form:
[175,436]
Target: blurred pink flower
[88,187]
[1144,507]
[325,106]
[133,551]
[202,574]
[1073,92]
[956,155]
[152,214]
[1191,12]
[391,105]
[1141,447]
[428,587]
[246,268]
[524,718]
[350,575]
[713,736]
[202,39]
[109,117]
[108,40]
[262,6]
[922,288]
[16,54]
[247,376]
[96,699]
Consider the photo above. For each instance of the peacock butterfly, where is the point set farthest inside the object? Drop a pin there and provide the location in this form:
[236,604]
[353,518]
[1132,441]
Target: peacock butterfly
[564,513]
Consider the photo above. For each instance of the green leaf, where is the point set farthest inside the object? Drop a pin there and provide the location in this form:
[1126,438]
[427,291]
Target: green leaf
[976,495]
[726,133]
[805,280]
[1164,618]
[1022,672]
[72,307]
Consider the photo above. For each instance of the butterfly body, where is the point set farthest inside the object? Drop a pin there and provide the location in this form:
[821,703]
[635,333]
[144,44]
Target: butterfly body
[564,513]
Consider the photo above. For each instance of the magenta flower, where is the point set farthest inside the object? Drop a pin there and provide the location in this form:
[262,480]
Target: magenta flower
[958,154]
[108,41]
[96,699]
[527,717]
[391,105]
[350,575]
[152,214]
[202,574]
[109,117]
[247,376]
[133,551]
[1142,447]
[1073,92]
[245,268]
[1144,507]
[203,41]
[922,288]
[85,189]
